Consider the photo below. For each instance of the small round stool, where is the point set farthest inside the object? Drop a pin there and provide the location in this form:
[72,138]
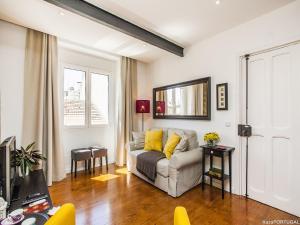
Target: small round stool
[99,152]
[81,154]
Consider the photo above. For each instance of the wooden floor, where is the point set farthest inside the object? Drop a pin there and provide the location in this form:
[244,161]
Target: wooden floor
[120,198]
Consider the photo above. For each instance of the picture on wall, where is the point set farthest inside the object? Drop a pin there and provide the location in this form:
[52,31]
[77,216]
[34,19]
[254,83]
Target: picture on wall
[222,96]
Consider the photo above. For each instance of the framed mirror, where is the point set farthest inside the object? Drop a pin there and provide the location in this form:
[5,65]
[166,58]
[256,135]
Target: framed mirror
[186,100]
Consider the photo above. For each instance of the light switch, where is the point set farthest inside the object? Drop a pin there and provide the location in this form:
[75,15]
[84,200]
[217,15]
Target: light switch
[227,124]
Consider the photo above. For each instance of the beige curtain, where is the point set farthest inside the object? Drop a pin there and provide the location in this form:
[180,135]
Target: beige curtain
[205,98]
[198,93]
[41,102]
[126,107]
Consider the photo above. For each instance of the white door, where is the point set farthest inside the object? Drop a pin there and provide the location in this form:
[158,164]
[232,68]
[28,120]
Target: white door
[274,114]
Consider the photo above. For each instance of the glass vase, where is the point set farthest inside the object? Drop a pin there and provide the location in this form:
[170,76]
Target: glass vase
[211,143]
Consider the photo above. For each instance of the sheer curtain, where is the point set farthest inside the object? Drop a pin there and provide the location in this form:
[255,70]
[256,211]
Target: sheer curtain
[126,96]
[41,118]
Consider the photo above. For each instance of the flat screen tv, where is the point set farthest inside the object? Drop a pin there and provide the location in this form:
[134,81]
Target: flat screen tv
[7,168]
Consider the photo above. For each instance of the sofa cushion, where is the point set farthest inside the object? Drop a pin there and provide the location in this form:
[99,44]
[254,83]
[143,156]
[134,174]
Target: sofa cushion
[192,139]
[153,140]
[162,166]
[171,144]
[177,131]
[189,139]
[165,134]
[138,139]
[136,153]
[182,145]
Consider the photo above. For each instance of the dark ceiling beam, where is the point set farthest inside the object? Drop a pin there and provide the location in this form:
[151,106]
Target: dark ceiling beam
[99,15]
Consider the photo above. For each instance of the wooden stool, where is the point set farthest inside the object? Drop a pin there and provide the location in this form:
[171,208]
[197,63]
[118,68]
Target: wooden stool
[81,154]
[99,152]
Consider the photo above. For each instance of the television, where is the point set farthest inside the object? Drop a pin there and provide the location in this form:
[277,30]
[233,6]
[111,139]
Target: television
[7,168]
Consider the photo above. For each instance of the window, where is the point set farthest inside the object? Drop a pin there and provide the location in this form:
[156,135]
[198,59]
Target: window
[74,97]
[174,101]
[85,98]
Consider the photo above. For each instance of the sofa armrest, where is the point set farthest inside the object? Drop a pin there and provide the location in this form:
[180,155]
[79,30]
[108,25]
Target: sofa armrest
[182,159]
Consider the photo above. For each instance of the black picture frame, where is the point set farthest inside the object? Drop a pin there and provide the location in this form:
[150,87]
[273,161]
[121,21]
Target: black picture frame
[183,84]
[222,96]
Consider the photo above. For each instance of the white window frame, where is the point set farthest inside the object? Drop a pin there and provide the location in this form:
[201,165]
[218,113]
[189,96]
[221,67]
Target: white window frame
[88,71]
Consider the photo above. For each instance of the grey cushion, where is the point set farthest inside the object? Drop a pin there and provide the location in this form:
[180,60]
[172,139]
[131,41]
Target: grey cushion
[138,139]
[192,139]
[182,146]
[177,131]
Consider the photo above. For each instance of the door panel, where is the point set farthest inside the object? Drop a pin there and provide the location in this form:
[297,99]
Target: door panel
[274,107]
[257,155]
[280,78]
[256,84]
[257,168]
[281,162]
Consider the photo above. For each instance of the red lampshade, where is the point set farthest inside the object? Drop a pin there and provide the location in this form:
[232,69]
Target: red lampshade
[142,106]
[160,107]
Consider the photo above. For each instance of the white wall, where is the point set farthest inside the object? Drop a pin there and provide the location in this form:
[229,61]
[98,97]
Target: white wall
[218,57]
[12,54]
[144,92]
[85,137]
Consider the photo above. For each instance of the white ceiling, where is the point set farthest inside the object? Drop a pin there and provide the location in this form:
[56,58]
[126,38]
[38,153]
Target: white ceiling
[181,21]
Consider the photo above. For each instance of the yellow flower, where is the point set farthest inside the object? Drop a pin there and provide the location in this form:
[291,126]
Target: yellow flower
[213,136]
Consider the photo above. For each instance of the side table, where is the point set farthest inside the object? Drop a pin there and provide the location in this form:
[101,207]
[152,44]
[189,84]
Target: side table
[99,152]
[217,151]
[81,154]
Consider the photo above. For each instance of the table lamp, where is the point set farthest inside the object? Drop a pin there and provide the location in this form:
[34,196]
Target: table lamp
[142,106]
[160,107]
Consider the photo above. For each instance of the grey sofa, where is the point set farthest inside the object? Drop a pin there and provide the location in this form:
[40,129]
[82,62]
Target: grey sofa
[177,175]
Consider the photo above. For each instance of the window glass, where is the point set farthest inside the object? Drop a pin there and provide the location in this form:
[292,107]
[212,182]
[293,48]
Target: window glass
[74,97]
[99,99]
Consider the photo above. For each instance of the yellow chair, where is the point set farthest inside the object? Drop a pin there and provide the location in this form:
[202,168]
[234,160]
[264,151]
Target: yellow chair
[64,216]
[180,216]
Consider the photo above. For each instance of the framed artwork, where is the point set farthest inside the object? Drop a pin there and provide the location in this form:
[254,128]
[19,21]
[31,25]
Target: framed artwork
[222,96]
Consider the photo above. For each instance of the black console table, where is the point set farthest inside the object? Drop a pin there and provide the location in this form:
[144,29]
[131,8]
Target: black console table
[217,151]
[35,182]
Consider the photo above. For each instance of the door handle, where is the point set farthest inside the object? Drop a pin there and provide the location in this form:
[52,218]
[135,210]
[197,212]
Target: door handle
[283,137]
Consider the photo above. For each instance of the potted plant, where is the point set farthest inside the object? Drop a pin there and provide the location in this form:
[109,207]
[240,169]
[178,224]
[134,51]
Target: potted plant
[211,138]
[27,158]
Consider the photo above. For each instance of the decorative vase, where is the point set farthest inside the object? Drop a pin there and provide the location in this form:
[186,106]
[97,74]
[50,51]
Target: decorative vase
[24,172]
[211,143]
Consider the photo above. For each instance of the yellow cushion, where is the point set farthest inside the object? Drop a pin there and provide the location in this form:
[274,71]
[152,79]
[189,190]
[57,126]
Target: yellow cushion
[153,140]
[64,216]
[171,144]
